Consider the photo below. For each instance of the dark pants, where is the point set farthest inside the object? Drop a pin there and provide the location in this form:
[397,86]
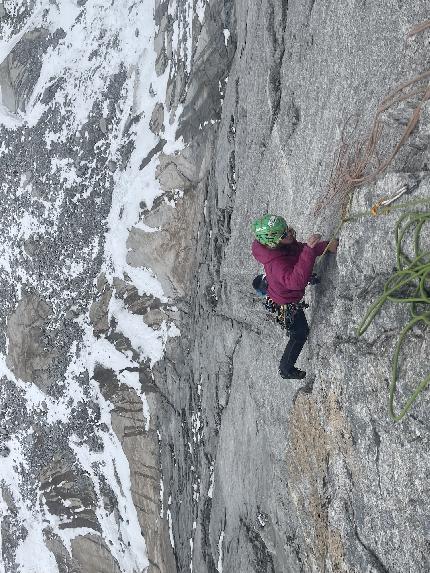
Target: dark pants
[298,334]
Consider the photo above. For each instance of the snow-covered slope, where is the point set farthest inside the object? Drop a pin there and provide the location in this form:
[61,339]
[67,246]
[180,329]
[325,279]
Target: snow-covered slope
[78,158]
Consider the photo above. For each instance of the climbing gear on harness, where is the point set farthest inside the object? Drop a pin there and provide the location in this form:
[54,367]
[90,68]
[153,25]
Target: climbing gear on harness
[410,284]
[284,313]
[293,374]
[269,229]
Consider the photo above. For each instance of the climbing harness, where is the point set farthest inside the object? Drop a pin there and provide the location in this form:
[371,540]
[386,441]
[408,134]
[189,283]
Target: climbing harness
[284,313]
[261,286]
[410,284]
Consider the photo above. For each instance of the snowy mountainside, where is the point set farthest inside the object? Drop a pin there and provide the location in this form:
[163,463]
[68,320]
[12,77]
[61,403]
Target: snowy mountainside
[78,155]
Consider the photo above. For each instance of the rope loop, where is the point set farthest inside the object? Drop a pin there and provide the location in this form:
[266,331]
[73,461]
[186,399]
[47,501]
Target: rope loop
[410,284]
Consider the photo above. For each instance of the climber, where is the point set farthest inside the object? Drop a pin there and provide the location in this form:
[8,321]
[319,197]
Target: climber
[288,266]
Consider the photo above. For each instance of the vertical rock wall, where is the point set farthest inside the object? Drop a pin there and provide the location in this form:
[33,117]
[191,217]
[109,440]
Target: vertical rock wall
[267,475]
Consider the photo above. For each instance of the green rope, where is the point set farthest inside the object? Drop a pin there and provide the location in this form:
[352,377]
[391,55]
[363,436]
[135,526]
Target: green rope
[410,284]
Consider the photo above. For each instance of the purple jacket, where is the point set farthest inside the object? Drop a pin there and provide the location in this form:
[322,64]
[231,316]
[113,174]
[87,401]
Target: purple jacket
[288,268]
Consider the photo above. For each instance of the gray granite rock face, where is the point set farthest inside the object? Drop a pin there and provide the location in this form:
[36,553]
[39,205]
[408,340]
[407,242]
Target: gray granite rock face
[285,476]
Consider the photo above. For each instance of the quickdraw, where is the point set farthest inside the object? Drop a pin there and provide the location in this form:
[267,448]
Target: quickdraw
[385,201]
[284,313]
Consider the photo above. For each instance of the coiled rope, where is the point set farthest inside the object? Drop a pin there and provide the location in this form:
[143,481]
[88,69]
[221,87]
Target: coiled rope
[410,284]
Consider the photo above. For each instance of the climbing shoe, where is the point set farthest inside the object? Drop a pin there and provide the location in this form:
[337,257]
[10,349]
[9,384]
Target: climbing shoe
[293,373]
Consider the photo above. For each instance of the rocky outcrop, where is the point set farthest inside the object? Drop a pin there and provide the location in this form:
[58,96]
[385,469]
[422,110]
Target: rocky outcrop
[140,442]
[20,70]
[30,349]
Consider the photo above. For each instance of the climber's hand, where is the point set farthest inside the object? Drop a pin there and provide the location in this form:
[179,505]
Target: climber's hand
[332,246]
[313,240]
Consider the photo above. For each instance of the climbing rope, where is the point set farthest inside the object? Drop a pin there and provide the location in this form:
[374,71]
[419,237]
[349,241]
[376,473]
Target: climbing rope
[410,285]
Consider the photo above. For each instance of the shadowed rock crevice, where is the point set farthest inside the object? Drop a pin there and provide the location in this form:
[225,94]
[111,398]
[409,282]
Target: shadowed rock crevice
[263,560]
[153,153]
[211,62]
[276,25]
[375,560]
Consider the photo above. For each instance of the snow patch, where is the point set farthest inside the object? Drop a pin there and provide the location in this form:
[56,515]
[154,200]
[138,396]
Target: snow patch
[169,520]
[211,482]
[220,550]
[200,9]
[144,339]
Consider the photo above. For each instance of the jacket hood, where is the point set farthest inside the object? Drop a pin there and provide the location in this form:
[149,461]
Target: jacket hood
[264,255]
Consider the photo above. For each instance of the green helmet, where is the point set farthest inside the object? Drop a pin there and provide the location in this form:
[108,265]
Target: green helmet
[268,230]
